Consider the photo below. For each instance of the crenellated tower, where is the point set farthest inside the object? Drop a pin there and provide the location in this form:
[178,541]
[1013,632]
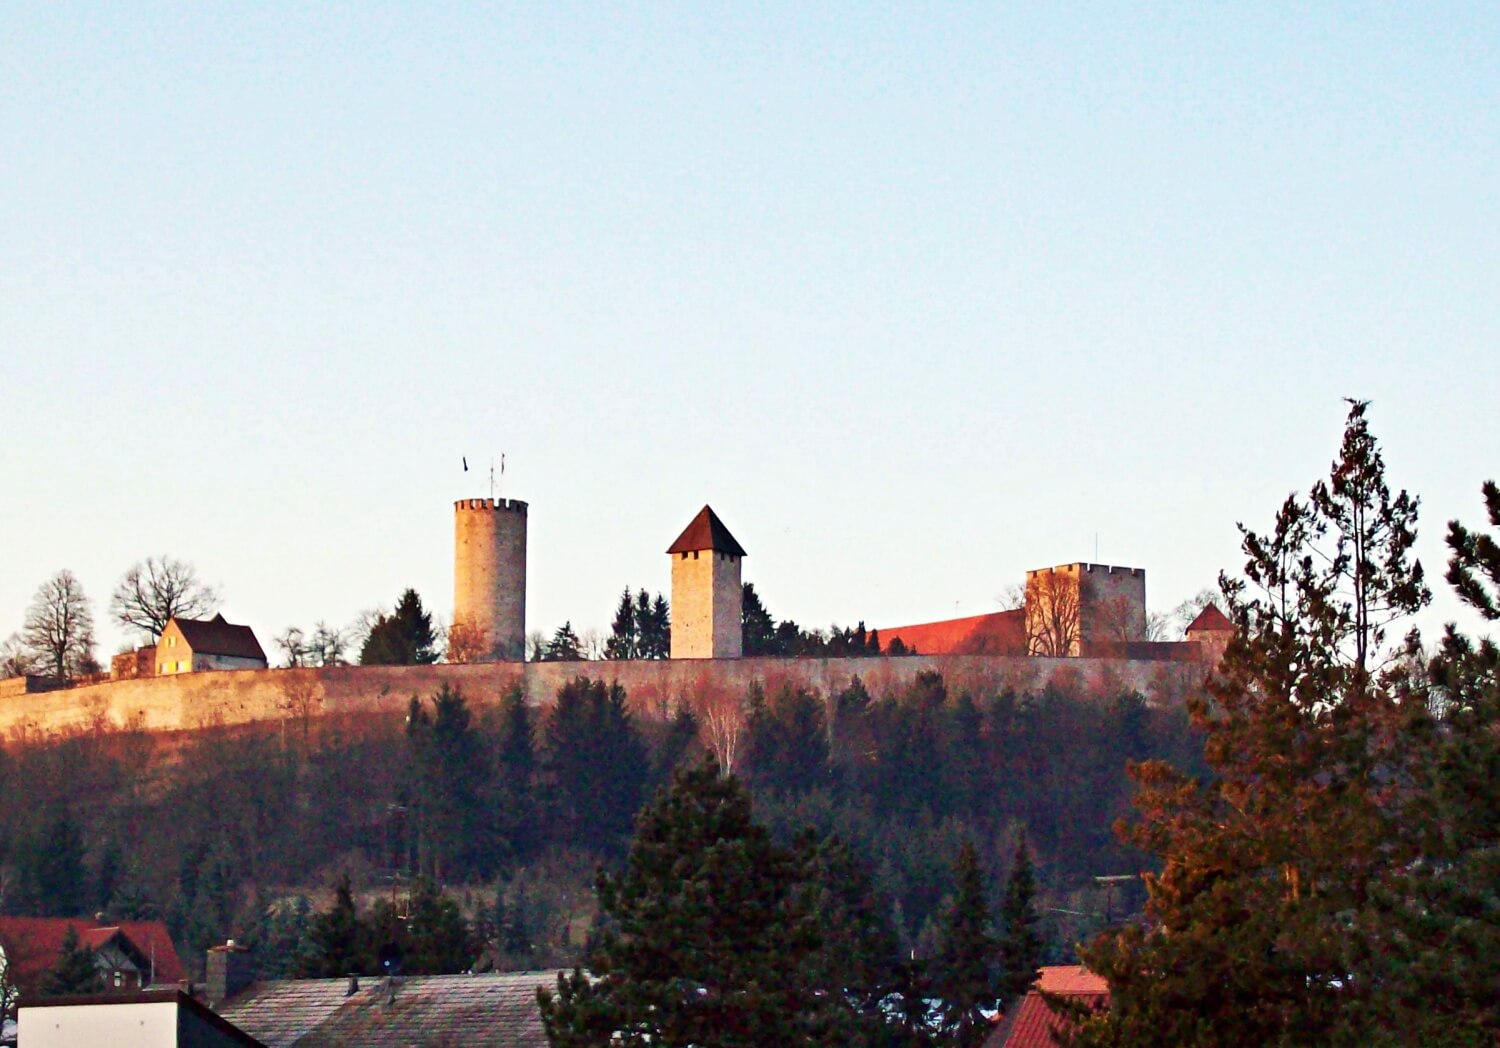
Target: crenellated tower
[489,575]
[706,595]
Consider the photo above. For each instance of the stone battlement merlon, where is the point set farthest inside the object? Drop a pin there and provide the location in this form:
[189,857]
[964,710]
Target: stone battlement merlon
[1088,569]
[1112,569]
[497,505]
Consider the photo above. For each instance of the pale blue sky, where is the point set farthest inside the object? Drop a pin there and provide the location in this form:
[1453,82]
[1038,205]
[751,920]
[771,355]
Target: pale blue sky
[916,297]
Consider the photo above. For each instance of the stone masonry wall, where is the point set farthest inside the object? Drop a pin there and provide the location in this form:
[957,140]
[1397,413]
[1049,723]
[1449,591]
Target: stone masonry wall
[200,700]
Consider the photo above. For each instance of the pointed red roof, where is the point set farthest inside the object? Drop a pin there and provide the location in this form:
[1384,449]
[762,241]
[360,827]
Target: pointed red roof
[1210,620]
[706,531]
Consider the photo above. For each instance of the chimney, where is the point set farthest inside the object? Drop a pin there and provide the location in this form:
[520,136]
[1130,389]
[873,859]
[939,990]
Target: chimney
[229,972]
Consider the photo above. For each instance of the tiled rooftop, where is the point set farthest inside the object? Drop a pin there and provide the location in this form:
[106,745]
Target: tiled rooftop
[427,1011]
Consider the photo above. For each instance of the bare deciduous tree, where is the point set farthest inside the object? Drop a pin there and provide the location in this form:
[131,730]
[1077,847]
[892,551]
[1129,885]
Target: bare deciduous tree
[467,641]
[1052,614]
[325,647]
[15,660]
[722,714]
[157,590]
[59,629]
[301,699]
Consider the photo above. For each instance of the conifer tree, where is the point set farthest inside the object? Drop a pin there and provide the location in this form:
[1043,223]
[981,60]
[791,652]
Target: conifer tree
[655,627]
[336,941]
[709,938]
[564,645]
[75,971]
[437,940]
[624,633]
[403,638]
[1020,946]
[965,967]
[597,761]
[515,804]
[1474,568]
[1276,873]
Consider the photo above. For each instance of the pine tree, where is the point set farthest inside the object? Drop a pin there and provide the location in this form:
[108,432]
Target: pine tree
[757,628]
[598,763]
[404,638]
[965,967]
[564,645]
[709,938]
[624,633]
[53,876]
[655,625]
[450,774]
[1020,947]
[336,942]
[515,803]
[75,971]
[1276,872]
[437,939]
[1474,568]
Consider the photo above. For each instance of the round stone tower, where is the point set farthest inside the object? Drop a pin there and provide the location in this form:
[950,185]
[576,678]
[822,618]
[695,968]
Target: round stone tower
[489,576]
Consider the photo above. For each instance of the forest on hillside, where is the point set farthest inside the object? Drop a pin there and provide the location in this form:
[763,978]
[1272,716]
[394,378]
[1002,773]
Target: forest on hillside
[510,809]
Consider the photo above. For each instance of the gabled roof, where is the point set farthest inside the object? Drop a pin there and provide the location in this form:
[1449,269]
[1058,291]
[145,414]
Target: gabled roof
[1032,1022]
[33,945]
[427,1010]
[216,637]
[706,531]
[1210,620]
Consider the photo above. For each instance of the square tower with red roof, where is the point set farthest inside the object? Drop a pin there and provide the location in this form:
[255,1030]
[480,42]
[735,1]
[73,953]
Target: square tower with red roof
[706,595]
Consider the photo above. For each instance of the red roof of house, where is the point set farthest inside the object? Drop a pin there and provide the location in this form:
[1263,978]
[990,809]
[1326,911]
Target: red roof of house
[1033,1023]
[706,531]
[998,633]
[216,637]
[1210,620]
[33,945]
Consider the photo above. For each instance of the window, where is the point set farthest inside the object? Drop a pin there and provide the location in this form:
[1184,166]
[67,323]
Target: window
[695,554]
[119,978]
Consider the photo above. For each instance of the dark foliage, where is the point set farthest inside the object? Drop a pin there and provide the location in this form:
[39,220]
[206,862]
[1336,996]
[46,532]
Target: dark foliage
[403,638]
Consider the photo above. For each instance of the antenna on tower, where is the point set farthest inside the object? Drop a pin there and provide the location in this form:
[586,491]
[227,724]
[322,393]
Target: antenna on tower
[492,480]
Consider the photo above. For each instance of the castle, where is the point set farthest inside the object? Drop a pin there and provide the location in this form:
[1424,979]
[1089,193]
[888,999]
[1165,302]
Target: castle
[1068,611]
[1080,626]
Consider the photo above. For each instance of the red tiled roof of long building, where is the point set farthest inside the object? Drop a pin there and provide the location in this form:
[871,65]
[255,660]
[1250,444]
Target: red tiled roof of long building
[997,633]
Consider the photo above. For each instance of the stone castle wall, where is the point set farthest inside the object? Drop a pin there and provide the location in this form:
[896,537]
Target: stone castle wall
[200,700]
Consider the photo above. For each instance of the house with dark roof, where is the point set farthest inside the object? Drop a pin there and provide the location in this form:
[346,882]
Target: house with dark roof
[196,645]
[419,1011]
[129,955]
[1034,1023]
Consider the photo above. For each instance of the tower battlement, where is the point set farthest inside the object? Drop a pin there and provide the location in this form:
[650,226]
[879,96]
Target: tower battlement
[497,505]
[1089,569]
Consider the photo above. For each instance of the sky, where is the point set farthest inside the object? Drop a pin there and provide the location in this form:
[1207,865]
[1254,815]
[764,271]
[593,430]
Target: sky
[917,297]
